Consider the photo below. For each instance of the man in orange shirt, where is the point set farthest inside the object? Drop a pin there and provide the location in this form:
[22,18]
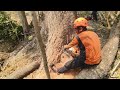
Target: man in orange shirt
[89,46]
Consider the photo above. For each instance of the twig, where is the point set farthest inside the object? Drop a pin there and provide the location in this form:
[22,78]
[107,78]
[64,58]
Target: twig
[118,13]
[108,21]
[103,15]
[100,16]
[112,15]
[114,69]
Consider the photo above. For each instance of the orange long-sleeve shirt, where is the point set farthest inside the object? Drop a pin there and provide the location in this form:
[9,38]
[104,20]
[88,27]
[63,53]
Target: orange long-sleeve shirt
[92,46]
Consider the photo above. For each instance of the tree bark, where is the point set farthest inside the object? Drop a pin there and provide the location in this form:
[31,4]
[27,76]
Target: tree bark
[21,73]
[24,22]
[40,42]
[57,23]
[108,54]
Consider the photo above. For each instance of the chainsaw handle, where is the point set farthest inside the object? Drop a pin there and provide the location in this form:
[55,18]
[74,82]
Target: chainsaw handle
[63,49]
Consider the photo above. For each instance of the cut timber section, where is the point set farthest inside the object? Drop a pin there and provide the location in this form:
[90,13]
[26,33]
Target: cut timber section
[23,72]
[108,54]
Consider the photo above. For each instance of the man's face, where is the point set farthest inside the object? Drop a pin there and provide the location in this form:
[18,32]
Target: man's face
[76,31]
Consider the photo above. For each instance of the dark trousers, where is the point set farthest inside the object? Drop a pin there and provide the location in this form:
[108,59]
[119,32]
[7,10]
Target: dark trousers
[77,62]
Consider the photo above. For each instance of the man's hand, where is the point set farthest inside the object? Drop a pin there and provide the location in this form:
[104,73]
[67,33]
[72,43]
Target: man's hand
[66,47]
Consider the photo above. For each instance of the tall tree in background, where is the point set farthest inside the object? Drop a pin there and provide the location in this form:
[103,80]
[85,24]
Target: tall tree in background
[41,44]
[24,22]
[94,15]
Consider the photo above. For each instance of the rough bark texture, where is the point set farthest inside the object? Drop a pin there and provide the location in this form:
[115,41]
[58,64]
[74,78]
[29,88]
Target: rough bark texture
[21,73]
[57,23]
[108,54]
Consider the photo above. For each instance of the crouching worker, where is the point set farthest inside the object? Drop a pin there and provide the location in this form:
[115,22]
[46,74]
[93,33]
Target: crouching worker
[89,46]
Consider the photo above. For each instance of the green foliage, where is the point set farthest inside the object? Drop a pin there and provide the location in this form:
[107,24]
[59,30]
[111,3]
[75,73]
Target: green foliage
[9,29]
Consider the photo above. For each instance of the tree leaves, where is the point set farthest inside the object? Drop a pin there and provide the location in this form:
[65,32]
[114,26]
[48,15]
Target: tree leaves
[9,29]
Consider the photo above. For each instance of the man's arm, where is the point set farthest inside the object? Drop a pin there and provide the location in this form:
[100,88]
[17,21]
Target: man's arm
[71,44]
[67,46]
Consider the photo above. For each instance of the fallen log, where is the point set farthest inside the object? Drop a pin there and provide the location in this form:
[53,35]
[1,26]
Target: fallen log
[108,54]
[21,73]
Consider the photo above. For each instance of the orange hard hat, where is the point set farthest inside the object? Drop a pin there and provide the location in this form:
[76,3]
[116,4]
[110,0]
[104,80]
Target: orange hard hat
[80,22]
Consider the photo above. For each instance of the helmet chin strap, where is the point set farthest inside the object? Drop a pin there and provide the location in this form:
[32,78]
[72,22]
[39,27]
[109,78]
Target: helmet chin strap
[79,31]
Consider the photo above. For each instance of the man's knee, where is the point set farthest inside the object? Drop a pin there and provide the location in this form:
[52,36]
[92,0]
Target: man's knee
[68,64]
[62,70]
[66,67]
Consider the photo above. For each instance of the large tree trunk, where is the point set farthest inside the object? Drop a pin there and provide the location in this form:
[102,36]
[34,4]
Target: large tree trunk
[40,42]
[58,23]
[108,54]
[21,73]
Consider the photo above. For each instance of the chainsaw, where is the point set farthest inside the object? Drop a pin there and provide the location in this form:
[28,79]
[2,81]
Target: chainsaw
[69,52]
